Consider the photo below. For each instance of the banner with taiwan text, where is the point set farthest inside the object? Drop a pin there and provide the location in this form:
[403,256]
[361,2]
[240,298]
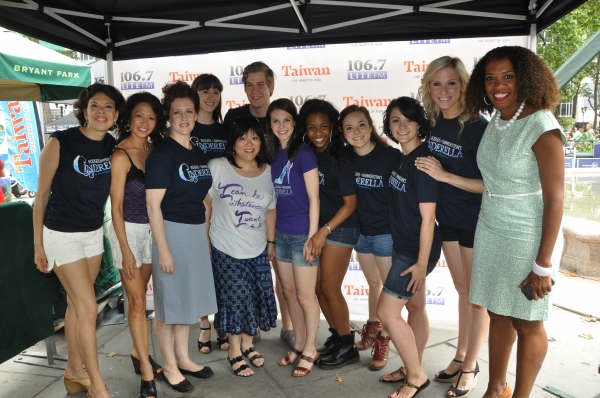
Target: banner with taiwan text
[20,121]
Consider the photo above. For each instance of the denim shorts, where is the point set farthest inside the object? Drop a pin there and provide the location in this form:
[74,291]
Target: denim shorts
[379,245]
[395,285]
[343,237]
[288,249]
[465,237]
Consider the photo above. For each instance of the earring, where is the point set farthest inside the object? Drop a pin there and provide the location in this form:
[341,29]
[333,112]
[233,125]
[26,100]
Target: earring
[304,139]
[484,100]
[86,123]
[128,128]
[113,127]
[330,136]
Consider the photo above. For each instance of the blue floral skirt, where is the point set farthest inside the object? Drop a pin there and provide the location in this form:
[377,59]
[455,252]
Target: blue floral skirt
[245,294]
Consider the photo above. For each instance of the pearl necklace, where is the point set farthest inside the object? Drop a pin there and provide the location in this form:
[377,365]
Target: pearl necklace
[511,121]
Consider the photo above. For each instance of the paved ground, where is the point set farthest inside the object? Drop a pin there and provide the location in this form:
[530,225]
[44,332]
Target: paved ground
[571,365]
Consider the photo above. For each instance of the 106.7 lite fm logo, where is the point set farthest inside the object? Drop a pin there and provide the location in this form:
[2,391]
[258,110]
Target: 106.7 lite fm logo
[367,69]
[137,80]
[235,74]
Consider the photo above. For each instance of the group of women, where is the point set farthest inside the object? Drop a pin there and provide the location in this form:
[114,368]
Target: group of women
[307,191]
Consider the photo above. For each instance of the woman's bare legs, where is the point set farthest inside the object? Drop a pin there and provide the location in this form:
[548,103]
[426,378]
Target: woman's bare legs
[288,284]
[455,262]
[77,279]
[478,328]
[374,267]
[333,266]
[389,309]
[136,315]
[286,319]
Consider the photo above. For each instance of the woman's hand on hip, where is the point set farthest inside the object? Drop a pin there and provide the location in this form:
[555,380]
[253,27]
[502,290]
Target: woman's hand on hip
[165,262]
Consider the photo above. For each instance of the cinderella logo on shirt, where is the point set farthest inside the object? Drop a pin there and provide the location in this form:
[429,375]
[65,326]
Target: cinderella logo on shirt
[368,181]
[397,182]
[91,168]
[444,148]
[284,190]
[321,178]
[193,173]
[209,145]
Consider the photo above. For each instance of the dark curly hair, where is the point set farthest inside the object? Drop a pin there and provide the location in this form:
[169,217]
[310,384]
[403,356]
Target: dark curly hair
[88,93]
[411,109]
[536,84]
[375,137]
[173,90]
[315,105]
[241,127]
[206,82]
[273,143]
[134,100]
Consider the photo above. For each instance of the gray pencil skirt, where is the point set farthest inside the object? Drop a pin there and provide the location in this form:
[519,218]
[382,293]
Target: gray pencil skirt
[189,293]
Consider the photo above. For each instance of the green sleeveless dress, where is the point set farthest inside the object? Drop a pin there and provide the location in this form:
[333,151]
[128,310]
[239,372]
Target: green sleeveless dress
[509,228]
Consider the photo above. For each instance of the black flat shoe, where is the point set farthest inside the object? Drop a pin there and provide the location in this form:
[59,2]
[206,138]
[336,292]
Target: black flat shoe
[148,389]
[203,373]
[182,386]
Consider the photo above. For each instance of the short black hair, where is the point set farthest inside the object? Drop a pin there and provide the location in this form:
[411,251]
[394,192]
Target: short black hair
[410,109]
[242,126]
[134,100]
[85,96]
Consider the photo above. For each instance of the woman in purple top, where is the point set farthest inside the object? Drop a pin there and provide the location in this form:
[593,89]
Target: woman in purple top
[295,175]
[142,128]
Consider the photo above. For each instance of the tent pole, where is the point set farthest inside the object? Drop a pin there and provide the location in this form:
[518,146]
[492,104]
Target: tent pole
[533,38]
[110,78]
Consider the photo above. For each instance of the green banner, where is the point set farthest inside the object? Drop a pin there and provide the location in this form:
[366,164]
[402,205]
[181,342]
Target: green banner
[56,81]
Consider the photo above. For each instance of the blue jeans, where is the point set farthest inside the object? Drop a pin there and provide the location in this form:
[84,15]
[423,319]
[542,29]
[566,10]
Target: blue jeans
[379,245]
[396,285]
[288,249]
[343,237]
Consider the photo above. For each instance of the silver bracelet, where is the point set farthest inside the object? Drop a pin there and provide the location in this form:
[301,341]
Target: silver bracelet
[541,271]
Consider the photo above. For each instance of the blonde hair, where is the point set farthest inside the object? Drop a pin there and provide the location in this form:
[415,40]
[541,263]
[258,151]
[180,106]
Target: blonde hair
[434,67]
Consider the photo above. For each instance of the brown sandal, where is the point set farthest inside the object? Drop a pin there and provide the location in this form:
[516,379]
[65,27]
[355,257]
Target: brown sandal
[400,371]
[285,361]
[303,369]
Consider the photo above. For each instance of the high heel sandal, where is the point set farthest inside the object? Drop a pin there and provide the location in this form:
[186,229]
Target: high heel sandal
[137,366]
[205,344]
[285,361]
[507,392]
[148,389]
[305,371]
[444,377]
[76,386]
[221,341]
[464,393]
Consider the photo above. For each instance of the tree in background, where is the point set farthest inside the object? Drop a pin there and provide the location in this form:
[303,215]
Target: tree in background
[560,40]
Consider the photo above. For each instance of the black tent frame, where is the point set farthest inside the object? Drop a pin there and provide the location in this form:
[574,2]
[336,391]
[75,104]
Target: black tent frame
[120,30]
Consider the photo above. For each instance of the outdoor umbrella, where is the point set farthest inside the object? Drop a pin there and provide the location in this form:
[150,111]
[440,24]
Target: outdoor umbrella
[30,72]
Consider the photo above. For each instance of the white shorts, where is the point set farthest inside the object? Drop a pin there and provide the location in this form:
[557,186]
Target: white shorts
[67,247]
[139,240]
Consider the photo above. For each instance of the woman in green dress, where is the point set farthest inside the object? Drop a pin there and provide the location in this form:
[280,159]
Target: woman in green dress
[521,159]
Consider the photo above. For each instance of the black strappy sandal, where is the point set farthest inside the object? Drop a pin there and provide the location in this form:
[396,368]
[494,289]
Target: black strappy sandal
[221,341]
[241,368]
[253,357]
[444,377]
[464,393]
[207,344]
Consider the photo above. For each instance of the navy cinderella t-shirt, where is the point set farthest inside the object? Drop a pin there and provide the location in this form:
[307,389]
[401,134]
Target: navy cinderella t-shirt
[81,183]
[185,176]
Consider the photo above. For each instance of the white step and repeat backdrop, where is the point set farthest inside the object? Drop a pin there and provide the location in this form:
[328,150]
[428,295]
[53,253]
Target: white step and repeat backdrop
[366,74]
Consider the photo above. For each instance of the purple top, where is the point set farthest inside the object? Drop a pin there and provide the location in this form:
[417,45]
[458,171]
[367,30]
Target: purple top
[292,198]
[134,197]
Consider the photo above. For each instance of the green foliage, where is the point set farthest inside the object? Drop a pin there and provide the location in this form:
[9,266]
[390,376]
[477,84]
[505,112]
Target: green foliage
[560,40]
[566,122]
